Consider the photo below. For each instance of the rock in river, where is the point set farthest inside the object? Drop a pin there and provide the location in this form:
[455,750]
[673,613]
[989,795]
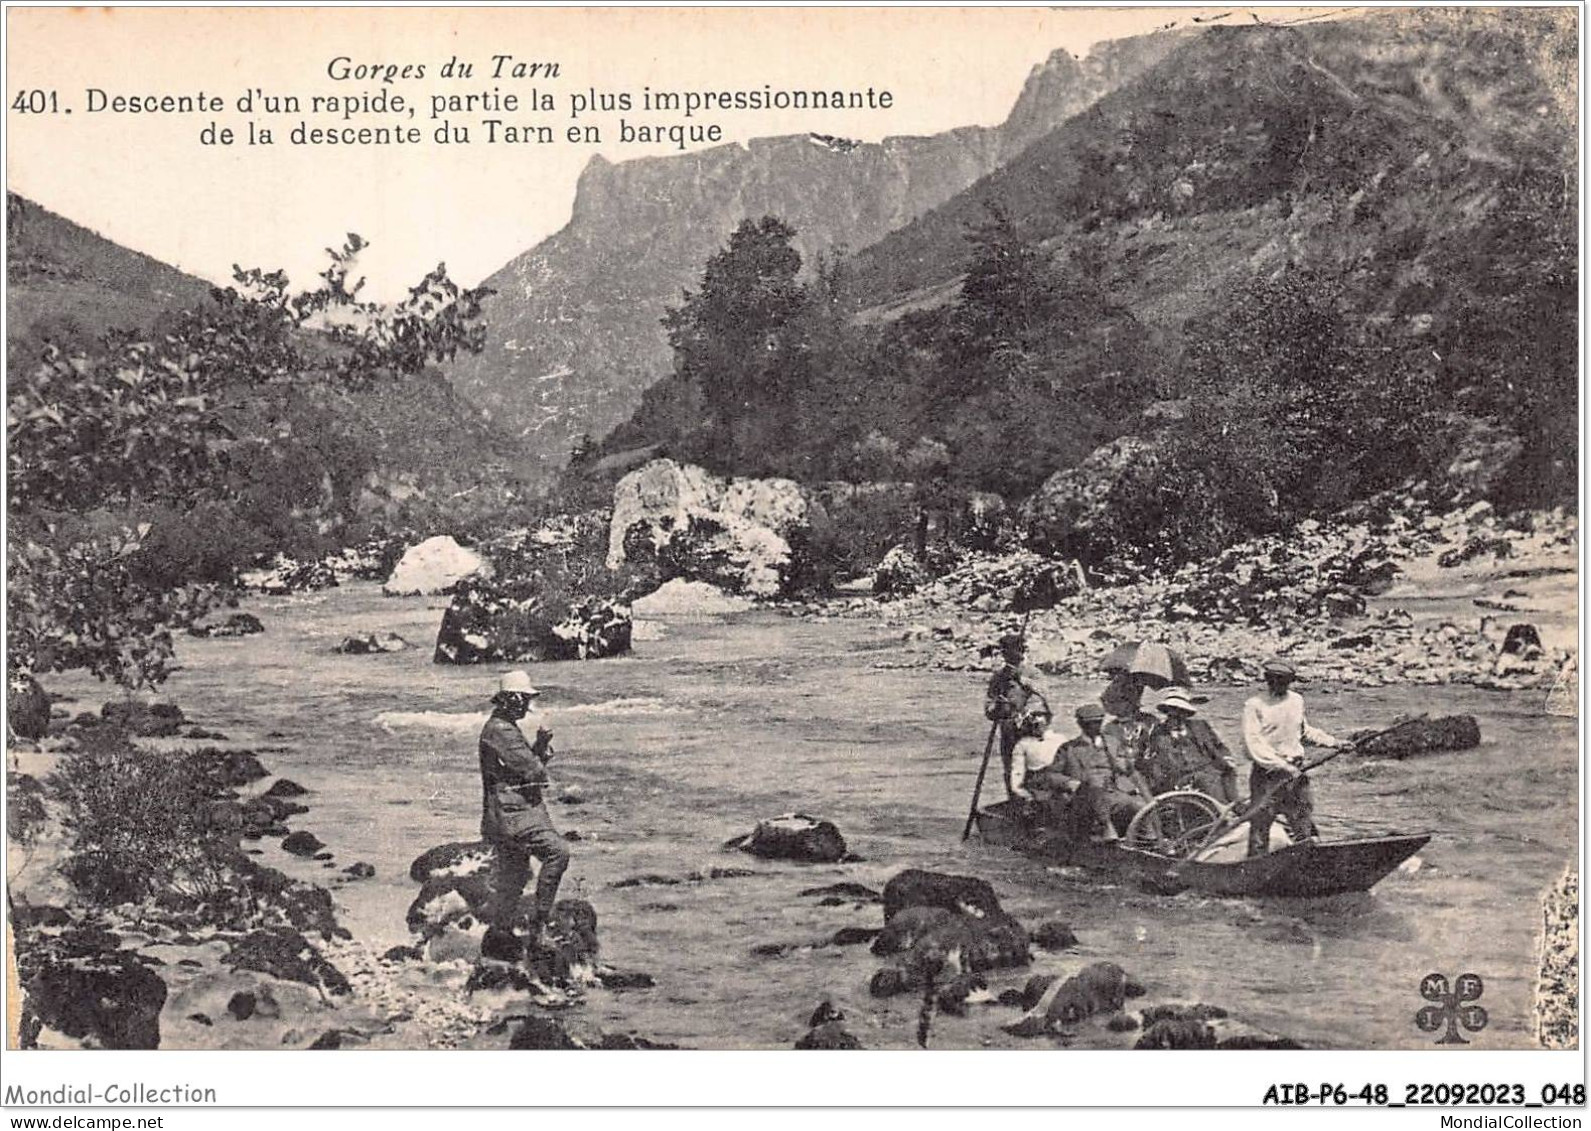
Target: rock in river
[515,622]
[302,843]
[793,836]
[238,624]
[81,985]
[1422,736]
[435,566]
[939,926]
[372,643]
[1100,987]
[284,953]
[917,888]
[732,533]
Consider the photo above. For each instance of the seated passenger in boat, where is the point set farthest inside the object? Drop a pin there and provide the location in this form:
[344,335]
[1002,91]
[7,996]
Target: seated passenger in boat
[1037,747]
[1095,771]
[1184,752]
[1128,724]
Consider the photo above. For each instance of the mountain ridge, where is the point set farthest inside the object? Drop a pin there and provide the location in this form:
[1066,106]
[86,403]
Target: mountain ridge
[70,287]
[575,334]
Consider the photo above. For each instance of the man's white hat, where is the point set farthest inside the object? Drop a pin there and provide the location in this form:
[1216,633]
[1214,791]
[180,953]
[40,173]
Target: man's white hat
[1178,698]
[517,682]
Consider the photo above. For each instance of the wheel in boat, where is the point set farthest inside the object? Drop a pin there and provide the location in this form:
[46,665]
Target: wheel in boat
[1175,824]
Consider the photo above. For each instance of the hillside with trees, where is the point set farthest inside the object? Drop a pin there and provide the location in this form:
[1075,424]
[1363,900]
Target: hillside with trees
[574,334]
[155,450]
[1330,251]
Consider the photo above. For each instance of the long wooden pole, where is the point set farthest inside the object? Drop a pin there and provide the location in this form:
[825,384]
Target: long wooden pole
[1232,821]
[977,790]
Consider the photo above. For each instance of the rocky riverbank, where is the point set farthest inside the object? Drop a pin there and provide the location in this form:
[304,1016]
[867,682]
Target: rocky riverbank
[168,930]
[1388,593]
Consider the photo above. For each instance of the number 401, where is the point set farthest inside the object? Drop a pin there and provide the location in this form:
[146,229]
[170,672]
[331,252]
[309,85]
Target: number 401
[36,102]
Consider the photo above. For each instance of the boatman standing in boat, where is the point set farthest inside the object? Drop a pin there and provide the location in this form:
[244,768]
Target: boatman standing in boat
[514,817]
[1275,732]
[1011,689]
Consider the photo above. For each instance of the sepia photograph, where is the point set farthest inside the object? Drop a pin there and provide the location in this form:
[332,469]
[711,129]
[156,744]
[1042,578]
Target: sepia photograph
[1046,529]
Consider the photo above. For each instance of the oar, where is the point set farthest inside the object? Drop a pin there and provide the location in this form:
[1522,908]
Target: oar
[977,790]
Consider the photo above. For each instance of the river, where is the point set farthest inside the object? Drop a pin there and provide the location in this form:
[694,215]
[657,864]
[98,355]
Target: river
[718,722]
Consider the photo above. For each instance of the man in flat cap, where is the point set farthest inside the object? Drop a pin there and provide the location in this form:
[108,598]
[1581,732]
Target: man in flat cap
[1096,771]
[514,817]
[1275,732]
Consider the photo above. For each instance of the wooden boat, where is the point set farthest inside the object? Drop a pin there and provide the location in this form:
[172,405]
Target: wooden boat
[1309,868]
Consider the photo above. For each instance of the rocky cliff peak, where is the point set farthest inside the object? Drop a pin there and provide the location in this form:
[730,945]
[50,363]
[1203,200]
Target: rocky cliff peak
[575,332]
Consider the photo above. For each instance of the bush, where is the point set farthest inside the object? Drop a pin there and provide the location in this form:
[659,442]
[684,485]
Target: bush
[78,597]
[140,825]
[899,574]
[25,812]
[852,531]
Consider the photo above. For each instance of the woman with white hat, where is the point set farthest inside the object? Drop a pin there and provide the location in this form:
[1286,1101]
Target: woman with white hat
[1184,752]
[514,817]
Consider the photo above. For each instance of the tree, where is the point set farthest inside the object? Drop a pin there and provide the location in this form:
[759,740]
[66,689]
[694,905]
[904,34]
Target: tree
[736,338]
[98,442]
[1295,410]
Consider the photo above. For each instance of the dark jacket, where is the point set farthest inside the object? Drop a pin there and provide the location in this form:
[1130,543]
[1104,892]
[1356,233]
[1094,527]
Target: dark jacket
[1195,759]
[1108,767]
[1131,735]
[512,778]
[1010,689]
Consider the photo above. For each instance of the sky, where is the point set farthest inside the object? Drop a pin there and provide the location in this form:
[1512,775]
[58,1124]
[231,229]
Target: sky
[146,181]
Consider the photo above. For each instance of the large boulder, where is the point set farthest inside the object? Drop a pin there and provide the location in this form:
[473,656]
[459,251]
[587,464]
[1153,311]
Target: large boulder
[517,621]
[457,858]
[932,945]
[436,565]
[1070,507]
[733,533]
[455,888]
[284,953]
[938,927]
[79,983]
[918,888]
[1421,736]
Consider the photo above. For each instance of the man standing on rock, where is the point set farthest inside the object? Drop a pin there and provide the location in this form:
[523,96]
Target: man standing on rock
[1275,732]
[514,817]
[1010,690]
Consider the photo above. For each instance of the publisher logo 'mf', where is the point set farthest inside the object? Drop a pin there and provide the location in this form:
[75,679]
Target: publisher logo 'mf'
[1451,1010]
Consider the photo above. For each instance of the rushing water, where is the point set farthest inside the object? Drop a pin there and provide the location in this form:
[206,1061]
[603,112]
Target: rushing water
[719,722]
